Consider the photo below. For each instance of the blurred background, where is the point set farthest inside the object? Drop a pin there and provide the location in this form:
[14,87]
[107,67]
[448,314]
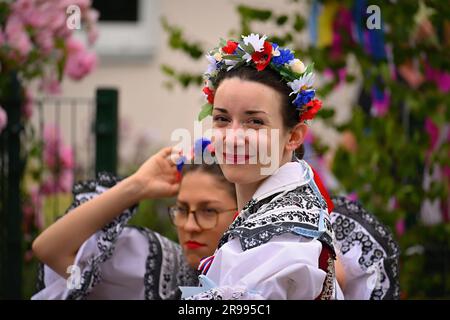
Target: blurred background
[87,86]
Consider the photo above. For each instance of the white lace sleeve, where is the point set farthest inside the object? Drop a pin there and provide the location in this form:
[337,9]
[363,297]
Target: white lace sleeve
[286,267]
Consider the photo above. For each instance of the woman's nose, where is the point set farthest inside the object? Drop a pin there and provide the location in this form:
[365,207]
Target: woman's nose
[191,224]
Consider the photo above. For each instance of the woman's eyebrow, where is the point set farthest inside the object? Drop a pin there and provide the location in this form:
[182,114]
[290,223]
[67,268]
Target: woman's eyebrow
[221,110]
[250,112]
[247,112]
[201,203]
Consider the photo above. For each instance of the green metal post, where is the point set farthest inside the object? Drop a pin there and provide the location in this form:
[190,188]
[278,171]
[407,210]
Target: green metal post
[106,129]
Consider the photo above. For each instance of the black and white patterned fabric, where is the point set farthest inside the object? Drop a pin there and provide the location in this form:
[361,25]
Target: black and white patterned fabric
[162,261]
[369,248]
[300,211]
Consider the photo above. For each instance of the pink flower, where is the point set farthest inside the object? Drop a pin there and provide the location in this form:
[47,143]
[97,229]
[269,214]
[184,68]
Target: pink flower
[45,41]
[443,81]
[328,74]
[342,73]
[52,143]
[352,196]
[433,133]
[440,78]
[66,155]
[380,103]
[16,35]
[400,226]
[48,186]
[65,181]
[3,119]
[79,61]
[29,13]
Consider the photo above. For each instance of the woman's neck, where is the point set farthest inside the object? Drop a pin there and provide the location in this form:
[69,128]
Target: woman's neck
[245,192]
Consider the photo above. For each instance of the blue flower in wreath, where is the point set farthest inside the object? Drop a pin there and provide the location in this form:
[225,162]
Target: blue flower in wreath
[303,97]
[281,56]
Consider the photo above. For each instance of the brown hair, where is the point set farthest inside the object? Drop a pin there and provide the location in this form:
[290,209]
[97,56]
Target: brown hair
[272,79]
[214,170]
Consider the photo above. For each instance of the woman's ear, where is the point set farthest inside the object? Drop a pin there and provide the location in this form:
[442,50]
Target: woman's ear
[297,136]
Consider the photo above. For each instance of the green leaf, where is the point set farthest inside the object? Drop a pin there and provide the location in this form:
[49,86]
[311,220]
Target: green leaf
[247,48]
[206,111]
[231,57]
[222,42]
[325,113]
[299,23]
[281,20]
[250,13]
[309,68]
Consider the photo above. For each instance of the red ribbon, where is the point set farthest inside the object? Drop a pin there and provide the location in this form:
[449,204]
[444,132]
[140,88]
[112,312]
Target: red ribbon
[323,190]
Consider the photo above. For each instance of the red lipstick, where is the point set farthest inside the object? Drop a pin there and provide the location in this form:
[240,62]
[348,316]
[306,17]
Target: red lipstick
[192,245]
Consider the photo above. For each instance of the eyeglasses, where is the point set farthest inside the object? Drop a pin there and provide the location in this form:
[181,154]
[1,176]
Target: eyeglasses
[206,218]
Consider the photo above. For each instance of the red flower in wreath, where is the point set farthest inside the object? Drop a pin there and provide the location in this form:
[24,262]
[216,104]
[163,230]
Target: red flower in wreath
[312,108]
[231,47]
[209,94]
[262,58]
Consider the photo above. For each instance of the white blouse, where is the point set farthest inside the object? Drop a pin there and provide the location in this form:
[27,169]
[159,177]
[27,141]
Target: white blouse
[272,249]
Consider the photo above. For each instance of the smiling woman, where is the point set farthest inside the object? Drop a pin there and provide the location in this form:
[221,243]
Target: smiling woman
[281,244]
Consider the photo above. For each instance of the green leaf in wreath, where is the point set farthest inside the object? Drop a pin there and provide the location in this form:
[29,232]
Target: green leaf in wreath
[206,111]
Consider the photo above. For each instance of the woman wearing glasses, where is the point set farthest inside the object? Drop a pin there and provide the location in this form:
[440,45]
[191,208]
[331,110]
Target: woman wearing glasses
[90,254]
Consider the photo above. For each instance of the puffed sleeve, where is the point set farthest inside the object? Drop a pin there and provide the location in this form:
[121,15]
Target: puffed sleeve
[94,251]
[368,252]
[286,267]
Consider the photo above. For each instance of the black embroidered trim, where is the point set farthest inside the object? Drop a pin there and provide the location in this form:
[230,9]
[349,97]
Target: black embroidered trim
[380,232]
[40,281]
[255,227]
[162,280]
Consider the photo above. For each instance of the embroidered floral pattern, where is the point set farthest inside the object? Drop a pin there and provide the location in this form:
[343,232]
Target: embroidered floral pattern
[354,226]
[226,293]
[278,214]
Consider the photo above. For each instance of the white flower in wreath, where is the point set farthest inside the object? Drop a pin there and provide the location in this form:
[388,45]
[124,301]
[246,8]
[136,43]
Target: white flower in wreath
[297,66]
[255,41]
[212,66]
[304,82]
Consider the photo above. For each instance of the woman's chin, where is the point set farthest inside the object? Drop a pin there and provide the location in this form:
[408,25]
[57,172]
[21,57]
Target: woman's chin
[240,173]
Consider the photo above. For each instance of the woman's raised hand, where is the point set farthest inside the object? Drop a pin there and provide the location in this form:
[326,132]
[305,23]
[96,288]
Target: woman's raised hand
[158,176]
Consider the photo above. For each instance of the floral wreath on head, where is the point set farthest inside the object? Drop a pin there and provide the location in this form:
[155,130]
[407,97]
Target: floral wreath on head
[254,50]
